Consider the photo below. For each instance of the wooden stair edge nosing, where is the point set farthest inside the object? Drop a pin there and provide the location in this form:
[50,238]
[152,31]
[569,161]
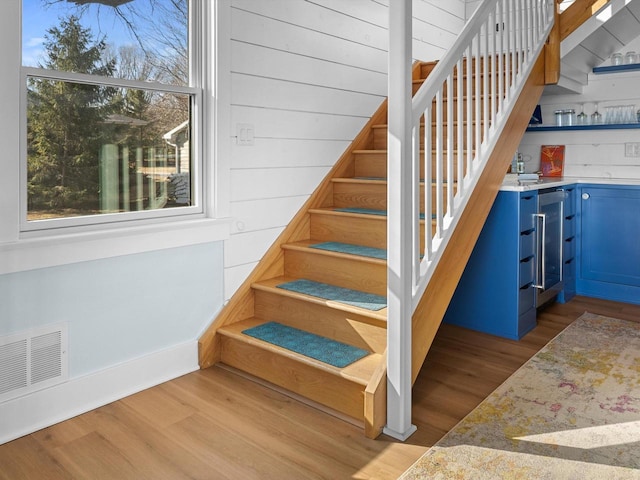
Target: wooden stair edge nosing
[333,211]
[361,180]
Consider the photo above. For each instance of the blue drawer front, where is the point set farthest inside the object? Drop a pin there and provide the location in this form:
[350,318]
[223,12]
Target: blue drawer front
[528,207]
[570,202]
[526,298]
[527,270]
[569,248]
[527,243]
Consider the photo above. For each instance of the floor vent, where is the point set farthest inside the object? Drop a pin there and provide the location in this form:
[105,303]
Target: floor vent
[33,360]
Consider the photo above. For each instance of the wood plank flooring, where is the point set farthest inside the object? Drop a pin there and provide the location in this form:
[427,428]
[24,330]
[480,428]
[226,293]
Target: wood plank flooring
[213,424]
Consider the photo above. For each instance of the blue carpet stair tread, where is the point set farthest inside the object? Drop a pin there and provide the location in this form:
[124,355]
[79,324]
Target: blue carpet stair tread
[370,211]
[323,349]
[351,249]
[366,211]
[369,301]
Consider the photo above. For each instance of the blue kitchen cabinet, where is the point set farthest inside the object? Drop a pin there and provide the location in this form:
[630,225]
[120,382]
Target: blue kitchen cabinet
[496,293]
[608,253]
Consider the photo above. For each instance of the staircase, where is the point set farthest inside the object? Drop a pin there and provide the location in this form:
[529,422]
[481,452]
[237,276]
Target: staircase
[338,242]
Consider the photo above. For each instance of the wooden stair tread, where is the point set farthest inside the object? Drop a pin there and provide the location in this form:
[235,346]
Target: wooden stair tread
[384,126]
[305,246]
[384,151]
[271,285]
[358,372]
[373,181]
[333,211]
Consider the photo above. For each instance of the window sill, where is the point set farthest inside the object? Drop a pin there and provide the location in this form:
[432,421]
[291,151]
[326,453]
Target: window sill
[62,249]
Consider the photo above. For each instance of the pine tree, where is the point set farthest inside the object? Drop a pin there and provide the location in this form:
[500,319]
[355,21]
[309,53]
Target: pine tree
[66,121]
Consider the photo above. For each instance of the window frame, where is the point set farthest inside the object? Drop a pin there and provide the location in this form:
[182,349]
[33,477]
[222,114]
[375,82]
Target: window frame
[193,90]
[27,250]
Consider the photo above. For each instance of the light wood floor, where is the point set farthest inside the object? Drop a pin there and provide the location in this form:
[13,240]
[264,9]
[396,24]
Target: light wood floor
[213,424]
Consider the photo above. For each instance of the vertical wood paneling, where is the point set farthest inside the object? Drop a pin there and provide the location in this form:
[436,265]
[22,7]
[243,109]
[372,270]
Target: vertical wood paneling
[307,75]
[591,153]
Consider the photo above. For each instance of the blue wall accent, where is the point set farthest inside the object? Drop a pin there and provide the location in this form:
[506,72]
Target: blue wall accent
[119,308]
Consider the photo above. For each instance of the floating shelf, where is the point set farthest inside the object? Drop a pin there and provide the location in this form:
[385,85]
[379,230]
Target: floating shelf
[604,126]
[616,68]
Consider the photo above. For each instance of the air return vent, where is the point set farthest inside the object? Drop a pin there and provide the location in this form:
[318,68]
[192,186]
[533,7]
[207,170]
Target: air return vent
[32,360]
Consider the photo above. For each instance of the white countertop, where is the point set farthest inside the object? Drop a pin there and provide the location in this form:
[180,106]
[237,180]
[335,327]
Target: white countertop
[511,182]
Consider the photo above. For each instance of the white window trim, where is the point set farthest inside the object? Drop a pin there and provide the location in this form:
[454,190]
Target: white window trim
[21,251]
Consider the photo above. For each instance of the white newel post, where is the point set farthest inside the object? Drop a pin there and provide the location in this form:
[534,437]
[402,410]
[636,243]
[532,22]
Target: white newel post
[399,228]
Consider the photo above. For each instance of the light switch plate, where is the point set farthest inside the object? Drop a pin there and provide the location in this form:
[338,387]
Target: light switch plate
[245,134]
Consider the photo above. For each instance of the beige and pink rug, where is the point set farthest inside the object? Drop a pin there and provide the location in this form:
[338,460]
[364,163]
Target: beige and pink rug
[571,412]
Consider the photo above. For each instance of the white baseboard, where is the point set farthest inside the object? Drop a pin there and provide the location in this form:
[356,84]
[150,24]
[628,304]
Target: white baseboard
[29,413]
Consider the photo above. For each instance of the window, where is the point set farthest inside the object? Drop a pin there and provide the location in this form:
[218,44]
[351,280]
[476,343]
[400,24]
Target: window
[112,128]
[184,201]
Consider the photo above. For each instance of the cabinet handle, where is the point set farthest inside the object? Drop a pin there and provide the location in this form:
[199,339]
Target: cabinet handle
[585,196]
[540,268]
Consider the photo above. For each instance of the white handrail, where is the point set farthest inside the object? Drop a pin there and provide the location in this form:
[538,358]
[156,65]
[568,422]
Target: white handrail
[499,45]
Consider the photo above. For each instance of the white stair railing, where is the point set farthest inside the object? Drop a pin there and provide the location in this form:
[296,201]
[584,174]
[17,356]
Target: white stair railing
[487,68]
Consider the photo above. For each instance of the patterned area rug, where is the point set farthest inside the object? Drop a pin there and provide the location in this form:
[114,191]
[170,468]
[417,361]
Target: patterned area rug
[571,412]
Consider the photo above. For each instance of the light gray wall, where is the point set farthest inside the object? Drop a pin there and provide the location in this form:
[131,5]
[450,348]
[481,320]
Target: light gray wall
[121,308]
[306,76]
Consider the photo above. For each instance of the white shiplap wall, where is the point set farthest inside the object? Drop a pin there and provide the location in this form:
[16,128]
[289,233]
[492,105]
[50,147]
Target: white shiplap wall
[305,75]
[591,153]
[471,7]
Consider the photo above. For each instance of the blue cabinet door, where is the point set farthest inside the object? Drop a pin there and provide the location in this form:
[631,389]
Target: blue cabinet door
[496,293]
[609,259]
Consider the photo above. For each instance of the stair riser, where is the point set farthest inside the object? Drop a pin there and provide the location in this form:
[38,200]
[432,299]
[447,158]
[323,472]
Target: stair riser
[342,272]
[417,84]
[370,196]
[445,106]
[427,68]
[370,231]
[374,164]
[360,195]
[357,330]
[322,387]
[380,136]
